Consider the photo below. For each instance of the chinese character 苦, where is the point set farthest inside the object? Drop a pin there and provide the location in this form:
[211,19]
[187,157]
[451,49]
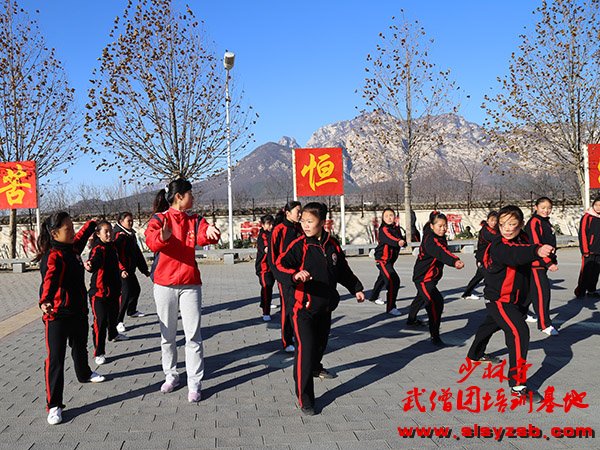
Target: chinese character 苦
[14,195]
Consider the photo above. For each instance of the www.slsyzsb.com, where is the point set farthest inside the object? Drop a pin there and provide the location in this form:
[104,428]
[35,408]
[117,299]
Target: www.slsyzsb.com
[497,433]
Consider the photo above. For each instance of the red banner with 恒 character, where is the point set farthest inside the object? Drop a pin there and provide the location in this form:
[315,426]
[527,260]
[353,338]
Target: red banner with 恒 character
[18,185]
[319,171]
[594,165]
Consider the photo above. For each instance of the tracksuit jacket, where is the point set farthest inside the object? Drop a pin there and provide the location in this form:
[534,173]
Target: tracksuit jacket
[62,271]
[175,259]
[106,270]
[130,255]
[433,255]
[388,247]
[486,235]
[589,233]
[327,265]
[508,268]
[539,231]
[262,252]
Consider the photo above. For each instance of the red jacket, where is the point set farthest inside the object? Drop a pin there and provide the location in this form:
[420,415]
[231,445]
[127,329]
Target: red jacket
[62,273]
[175,259]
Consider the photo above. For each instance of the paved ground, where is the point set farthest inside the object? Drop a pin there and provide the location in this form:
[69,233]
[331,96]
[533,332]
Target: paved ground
[248,399]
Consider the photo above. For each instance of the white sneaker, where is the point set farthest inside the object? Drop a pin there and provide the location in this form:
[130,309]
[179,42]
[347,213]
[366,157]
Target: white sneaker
[100,359]
[55,415]
[394,312]
[290,349]
[120,337]
[379,302]
[274,306]
[121,327]
[471,297]
[95,377]
[550,331]
[138,314]
[531,319]
[267,318]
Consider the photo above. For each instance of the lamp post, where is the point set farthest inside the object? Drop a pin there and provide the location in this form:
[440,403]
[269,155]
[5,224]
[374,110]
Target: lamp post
[228,61]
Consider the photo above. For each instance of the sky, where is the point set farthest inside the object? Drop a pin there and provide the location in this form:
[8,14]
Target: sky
[300,62]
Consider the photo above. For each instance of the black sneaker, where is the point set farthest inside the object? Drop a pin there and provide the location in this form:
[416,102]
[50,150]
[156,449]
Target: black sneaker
[594,294]
[438,342]
[527,394]
[416,323]
[308,410]
[490,359]
[324,374]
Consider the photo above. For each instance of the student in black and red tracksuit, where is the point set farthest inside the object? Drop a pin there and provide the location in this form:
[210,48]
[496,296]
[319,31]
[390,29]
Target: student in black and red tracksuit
[539,231]
[105,289]
[131,258]
[311,267]
[63,302]
[487,233]
[589,245]
[508,268]
[263,271]
[428,270]
[286,230]
[391,240]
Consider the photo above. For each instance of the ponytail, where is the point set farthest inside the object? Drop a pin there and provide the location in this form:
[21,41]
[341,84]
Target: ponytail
[165,197]
[53,222]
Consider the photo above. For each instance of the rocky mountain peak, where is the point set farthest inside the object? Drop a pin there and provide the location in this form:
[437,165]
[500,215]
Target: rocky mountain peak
[289,142]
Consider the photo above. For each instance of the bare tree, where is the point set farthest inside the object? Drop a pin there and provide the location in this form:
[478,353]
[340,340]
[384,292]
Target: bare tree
[37,114]
[548,107]
[157,101]
[404,92]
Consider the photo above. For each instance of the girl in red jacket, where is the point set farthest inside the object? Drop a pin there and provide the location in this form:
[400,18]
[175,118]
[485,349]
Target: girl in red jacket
[105,289]
[589,245]
[173,235]
[64,304]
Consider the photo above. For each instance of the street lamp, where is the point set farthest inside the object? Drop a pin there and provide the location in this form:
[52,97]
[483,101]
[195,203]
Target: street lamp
[228,61]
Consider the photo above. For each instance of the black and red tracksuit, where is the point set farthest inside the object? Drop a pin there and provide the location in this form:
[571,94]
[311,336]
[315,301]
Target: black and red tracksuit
[105,290]
[281,237]
[313,302]
[428,270]
[486,235]
[131,258]
[589,245]
[263,271]
[539,231]
[63,285]
[386,254]
[507,277]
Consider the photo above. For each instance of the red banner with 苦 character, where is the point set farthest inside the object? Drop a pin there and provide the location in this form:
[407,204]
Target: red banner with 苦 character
[594,165]
[319,171]
[18,185]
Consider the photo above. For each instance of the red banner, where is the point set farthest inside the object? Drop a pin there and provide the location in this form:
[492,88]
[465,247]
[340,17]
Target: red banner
[594,161]
[319,171]
[18,185]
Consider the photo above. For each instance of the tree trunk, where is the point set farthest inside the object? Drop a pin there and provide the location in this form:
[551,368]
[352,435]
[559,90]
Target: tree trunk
[12,228]
[581,178]
[407,206]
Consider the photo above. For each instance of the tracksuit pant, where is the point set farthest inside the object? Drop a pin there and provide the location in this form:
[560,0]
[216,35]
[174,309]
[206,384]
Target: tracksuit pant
[477,278]
[311,329]
[59,332]
[187,299]
[266,280]
[539,295]
[429,296]
[130,294]
[588,275]
[389,279]
[105,312]
[509,318]
[287,302]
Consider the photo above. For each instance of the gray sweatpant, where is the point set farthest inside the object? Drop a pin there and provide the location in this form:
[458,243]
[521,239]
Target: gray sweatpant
[187,299]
